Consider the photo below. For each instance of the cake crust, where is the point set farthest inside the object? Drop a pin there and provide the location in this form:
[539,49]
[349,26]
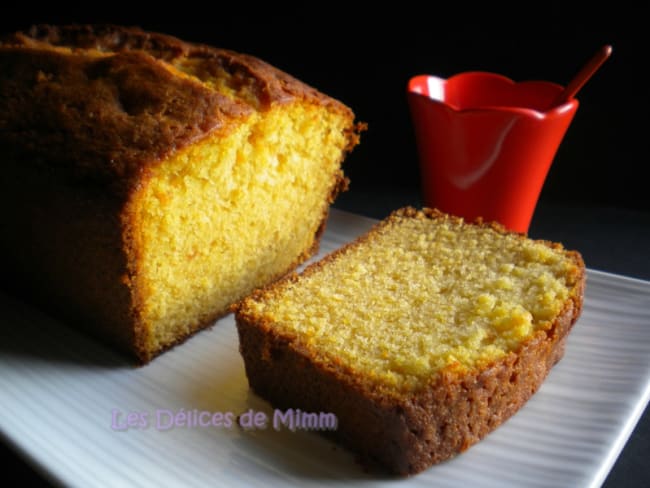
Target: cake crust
[404,433]
[59,86]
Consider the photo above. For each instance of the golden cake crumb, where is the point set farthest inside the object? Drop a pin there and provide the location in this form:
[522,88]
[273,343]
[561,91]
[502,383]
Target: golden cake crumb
[404,308]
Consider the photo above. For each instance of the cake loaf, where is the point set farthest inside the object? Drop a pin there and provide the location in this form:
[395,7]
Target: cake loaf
[421,337]
[148,183]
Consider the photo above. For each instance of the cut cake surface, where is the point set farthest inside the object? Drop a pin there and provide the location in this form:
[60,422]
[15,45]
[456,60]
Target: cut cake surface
[421,337]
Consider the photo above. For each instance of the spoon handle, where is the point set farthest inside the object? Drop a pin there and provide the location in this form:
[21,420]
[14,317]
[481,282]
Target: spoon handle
[584,74]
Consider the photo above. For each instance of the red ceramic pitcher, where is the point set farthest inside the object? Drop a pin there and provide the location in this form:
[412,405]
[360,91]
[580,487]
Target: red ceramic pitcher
[486,143]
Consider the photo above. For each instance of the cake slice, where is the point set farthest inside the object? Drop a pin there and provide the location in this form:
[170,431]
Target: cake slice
[421,337]
[148,183]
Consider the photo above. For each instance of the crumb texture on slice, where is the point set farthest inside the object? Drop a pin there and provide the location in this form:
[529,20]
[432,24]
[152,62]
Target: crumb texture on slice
[420,294]
[231,213]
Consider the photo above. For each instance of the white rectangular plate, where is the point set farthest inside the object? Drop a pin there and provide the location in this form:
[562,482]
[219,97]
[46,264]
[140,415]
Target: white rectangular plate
[59,390]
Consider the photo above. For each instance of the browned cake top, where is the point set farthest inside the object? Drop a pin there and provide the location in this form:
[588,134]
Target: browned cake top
[107,101]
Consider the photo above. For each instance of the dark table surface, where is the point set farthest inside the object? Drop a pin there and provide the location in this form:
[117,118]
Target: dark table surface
[611,239]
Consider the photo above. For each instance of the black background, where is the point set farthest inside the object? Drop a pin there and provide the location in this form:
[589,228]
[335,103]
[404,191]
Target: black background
[365,60]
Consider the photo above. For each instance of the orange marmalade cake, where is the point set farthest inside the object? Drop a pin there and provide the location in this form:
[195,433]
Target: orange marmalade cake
[421,337]
[149,183]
